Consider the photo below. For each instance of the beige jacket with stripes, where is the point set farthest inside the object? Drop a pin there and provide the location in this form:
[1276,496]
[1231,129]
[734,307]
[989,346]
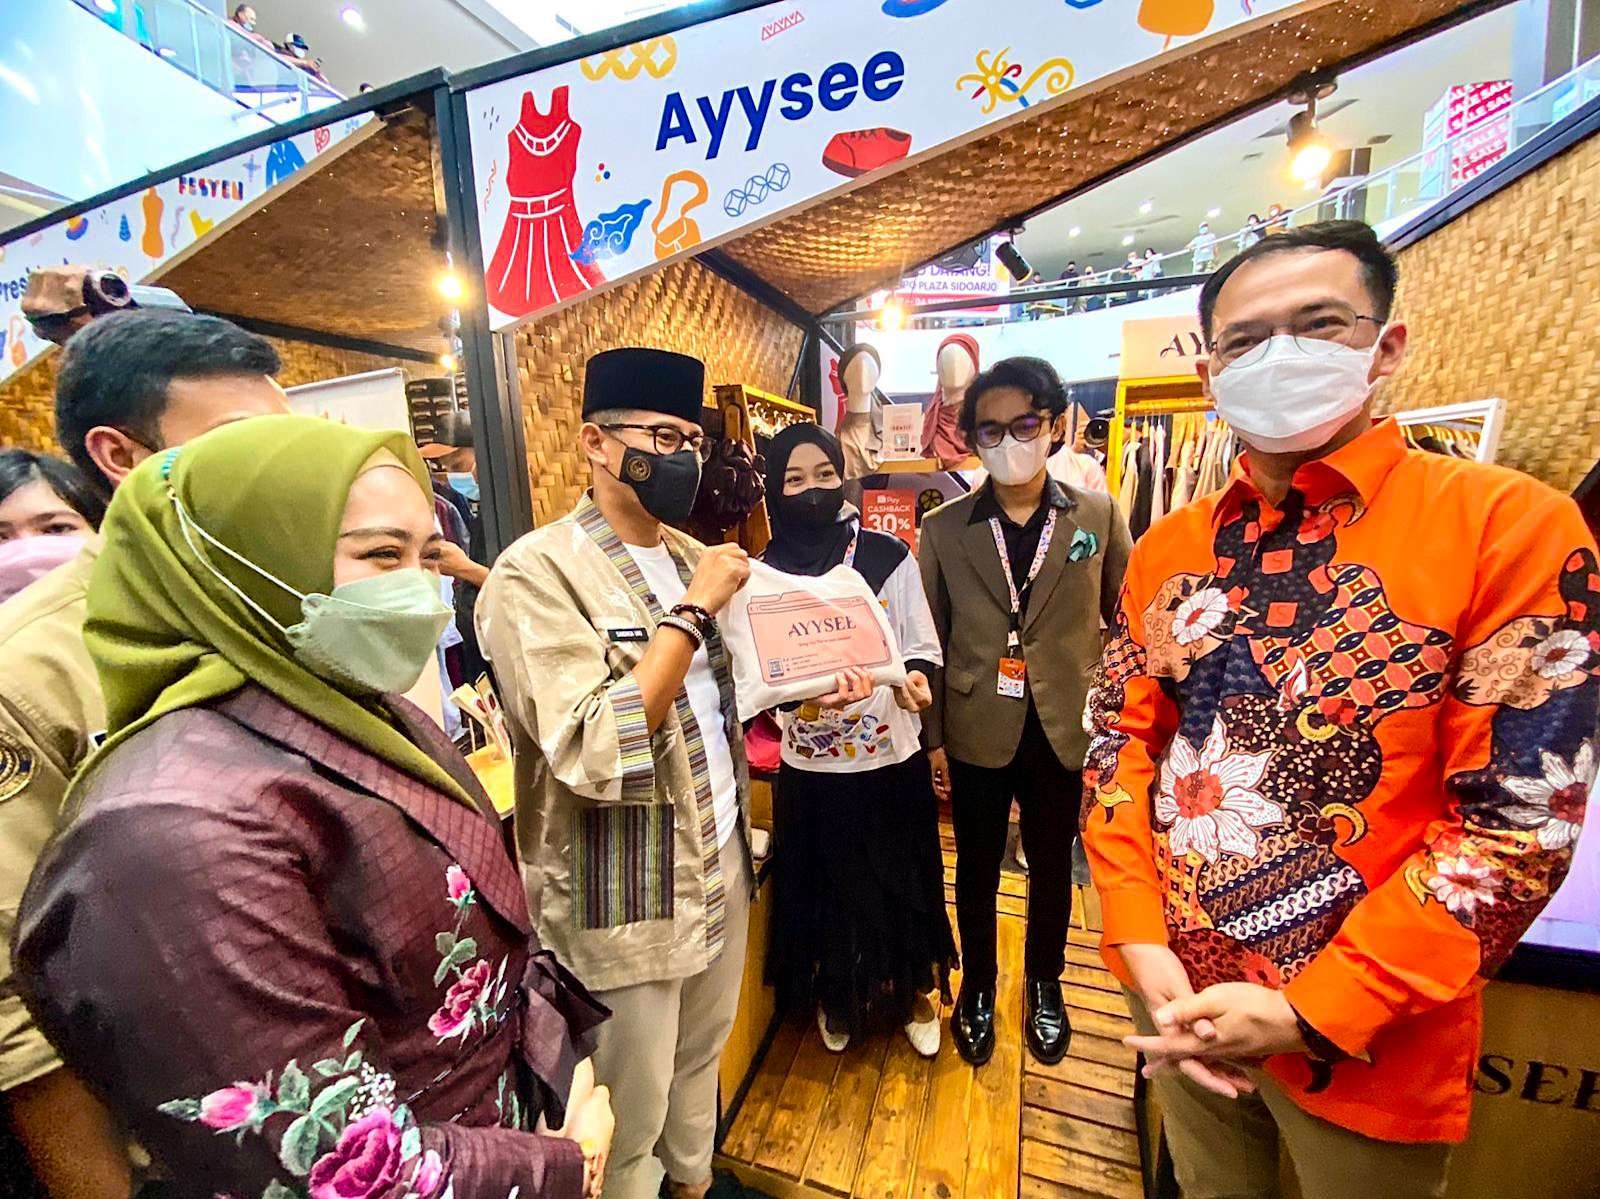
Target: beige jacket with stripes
[621,882]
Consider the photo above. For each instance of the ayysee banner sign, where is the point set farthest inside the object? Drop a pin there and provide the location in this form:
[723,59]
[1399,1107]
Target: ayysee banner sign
[594,170]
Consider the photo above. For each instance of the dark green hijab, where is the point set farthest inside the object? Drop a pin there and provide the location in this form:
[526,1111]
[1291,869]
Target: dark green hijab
[165,633]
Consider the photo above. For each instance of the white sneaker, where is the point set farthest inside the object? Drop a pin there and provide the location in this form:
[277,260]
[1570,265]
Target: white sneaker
[924,1037]
[833,1042]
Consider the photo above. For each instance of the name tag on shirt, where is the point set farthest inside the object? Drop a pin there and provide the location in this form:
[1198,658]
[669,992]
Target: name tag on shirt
[628,636]
[1013,678]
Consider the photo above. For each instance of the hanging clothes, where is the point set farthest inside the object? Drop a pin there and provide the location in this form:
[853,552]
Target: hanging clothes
[533,265]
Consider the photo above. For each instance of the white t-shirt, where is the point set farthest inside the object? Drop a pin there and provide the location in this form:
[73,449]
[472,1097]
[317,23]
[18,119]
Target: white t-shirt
[877,731]
[661,574]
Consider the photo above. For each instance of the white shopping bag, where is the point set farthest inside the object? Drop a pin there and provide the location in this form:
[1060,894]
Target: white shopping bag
[789,635]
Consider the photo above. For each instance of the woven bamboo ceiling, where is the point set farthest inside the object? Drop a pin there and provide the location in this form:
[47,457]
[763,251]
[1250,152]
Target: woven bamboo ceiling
[867,239]
[346,249]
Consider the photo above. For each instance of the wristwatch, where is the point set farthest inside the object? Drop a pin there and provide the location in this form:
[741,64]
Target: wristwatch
[1318,1047]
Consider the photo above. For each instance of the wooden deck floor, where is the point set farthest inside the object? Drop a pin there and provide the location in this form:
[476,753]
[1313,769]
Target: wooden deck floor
[880,1122]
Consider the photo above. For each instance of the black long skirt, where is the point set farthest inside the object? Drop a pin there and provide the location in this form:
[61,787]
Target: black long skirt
[859,923]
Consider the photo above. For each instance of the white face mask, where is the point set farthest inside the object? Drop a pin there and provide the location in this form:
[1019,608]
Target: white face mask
[1012,461]
[1293,396]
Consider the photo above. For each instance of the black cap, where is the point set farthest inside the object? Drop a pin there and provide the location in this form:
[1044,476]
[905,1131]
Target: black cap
[648,380]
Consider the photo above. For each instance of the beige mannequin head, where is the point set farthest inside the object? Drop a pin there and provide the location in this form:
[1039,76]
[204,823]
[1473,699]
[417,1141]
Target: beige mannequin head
[956,370]
[860,377]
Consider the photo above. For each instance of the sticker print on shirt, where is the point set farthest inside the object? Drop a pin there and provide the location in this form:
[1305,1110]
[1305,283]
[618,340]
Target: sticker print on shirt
[816,732]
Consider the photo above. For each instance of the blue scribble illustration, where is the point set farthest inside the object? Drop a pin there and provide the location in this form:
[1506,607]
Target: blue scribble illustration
[123,232]
[611,233]
[756,189]
[915,8]
[283,159]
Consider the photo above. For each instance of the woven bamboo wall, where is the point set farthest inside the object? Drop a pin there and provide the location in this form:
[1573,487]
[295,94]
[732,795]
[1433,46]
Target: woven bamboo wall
[684,308]
[27,399]
[867,239]
[1505,301]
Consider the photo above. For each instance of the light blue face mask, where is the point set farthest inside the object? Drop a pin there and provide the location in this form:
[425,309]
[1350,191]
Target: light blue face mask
[373,635]
[465,484]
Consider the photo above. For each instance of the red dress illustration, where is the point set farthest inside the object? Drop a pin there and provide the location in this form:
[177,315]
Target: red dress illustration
[532,266]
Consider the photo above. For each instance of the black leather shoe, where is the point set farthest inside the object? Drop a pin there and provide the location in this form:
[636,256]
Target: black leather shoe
[972,1024]
[1049,1031]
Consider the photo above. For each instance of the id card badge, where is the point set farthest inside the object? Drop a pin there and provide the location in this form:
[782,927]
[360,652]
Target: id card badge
[1013,678]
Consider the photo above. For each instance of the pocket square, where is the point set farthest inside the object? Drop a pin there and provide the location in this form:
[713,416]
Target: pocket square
[1084,545]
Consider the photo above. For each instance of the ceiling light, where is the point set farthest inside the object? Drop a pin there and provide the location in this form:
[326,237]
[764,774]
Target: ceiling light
[893,315]
[1074,231]
[450,286]
[1213,213]
[1127,239]
[1309,151]
[1147,208]
[448,362]
[351,16]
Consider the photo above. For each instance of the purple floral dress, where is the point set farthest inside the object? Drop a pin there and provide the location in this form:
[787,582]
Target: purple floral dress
[296,971]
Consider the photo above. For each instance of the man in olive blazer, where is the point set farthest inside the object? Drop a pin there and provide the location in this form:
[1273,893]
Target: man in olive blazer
[985,747]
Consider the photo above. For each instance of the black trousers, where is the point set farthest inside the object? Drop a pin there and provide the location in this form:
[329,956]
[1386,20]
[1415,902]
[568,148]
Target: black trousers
[980,798]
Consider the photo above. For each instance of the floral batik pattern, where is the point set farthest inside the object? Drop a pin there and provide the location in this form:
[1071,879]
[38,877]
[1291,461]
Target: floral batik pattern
[476,998]
[339,1130]
[1521,815]
[1280,665]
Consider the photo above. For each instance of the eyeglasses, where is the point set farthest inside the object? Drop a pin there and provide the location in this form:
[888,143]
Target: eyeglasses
[1023,428]
[1323,323]
[668,439]
[57,326]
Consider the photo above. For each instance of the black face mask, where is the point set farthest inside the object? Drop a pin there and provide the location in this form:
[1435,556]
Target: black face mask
[814,508]
[665,483]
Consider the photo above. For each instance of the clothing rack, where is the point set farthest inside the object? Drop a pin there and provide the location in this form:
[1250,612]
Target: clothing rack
[1174,445]
[1472,426]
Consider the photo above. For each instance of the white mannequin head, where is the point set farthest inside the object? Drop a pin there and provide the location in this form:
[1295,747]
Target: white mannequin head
[956,370]
[860,377]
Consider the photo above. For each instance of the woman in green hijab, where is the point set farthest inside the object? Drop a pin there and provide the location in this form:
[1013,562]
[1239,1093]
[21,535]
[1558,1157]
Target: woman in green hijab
[281,906]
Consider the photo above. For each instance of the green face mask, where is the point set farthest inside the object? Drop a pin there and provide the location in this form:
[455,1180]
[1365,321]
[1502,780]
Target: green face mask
[374,635]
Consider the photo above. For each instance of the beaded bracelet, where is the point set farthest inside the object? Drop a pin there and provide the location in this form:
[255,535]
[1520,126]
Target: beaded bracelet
[695,613]
[685,626]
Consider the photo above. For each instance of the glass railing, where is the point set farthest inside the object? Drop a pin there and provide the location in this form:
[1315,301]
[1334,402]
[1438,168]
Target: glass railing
[1385,199]
[219,54]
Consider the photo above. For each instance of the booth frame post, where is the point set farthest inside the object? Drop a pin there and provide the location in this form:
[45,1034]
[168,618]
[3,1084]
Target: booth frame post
[488,359]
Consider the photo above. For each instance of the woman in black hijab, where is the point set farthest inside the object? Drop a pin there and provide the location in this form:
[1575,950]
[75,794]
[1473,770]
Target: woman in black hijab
[859,875]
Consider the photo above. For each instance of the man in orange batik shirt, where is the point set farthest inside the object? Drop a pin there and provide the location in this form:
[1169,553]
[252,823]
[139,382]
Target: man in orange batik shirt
[1343,745]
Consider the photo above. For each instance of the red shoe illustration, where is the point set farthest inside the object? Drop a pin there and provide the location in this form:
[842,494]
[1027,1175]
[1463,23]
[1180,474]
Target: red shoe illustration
[861,150]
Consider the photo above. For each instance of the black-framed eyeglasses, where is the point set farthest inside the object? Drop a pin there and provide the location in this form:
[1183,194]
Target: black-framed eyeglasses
[1309,328]
[1026,427]
[57,326]
[668,439]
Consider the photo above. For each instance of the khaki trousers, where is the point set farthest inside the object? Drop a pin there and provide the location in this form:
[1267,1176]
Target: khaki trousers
[659,1053]
[1230,1148]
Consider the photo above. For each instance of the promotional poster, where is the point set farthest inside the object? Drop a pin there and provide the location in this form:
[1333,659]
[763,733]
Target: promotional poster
[139,234]
[589,172]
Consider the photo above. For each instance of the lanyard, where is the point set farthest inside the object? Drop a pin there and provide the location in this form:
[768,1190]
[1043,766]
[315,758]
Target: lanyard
[1013,641]
[850,551]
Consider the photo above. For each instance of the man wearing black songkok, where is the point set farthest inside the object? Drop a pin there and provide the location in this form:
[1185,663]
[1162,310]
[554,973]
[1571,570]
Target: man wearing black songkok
[632,789]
